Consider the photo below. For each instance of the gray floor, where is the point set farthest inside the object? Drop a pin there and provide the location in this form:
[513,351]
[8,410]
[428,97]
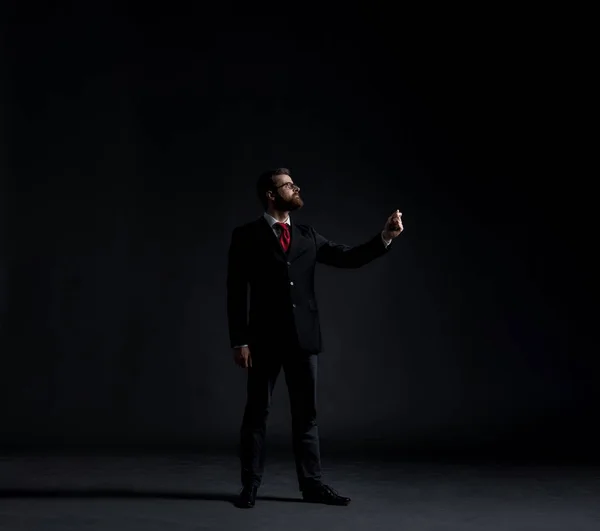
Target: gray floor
[195,492]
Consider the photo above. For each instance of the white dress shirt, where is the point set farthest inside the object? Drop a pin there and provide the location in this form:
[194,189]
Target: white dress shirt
[272,223]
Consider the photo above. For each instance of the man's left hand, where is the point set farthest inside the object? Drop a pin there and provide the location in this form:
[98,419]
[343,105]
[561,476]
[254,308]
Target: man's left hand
[393,226]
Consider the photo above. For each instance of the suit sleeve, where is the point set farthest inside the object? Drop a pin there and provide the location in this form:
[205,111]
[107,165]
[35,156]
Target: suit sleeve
[345,256]
[237,291]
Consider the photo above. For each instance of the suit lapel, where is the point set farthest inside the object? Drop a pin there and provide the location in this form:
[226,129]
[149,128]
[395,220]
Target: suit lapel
[267,236]
[298,245]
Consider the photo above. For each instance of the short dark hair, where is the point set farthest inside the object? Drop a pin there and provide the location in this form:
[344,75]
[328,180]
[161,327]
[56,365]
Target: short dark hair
[265,183]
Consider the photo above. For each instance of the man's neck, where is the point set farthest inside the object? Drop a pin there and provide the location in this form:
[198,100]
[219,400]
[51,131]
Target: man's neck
[278,215]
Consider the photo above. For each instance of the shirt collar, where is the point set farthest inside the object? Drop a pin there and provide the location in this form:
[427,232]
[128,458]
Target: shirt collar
[271,220]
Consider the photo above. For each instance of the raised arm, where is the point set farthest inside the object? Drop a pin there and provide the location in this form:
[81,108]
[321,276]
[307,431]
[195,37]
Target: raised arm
[345,256]
[348,257]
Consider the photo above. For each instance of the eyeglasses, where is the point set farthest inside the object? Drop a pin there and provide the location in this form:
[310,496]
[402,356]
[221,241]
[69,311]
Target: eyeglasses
[289,186]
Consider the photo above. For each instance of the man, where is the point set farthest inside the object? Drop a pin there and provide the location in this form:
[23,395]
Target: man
[278,325]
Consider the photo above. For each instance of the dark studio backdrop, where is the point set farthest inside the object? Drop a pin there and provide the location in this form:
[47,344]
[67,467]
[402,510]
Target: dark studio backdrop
[132,141]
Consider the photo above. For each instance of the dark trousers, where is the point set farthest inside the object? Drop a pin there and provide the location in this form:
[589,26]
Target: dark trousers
[300,371]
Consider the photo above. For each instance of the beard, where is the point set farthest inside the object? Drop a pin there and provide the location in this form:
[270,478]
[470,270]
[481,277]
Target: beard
[287,205]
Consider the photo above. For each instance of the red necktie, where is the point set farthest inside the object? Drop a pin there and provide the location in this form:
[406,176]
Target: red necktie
[284,235]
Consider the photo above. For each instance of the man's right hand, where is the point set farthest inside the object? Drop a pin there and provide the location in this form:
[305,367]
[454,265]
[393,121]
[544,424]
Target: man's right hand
[241,356]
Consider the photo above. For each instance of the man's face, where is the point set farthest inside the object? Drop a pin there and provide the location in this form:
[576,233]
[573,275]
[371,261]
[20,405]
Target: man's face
[286,197]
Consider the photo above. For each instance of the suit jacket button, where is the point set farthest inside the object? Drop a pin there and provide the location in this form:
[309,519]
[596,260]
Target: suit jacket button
[288,263]
[293,305]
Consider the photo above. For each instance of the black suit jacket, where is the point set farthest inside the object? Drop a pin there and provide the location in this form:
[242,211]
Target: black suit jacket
[271,302]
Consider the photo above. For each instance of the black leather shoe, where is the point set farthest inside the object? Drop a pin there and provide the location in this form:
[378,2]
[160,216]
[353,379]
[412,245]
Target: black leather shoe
[322,493]
[247,497]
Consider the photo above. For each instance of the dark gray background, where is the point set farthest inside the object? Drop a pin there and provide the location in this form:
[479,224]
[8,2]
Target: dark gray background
[133,143]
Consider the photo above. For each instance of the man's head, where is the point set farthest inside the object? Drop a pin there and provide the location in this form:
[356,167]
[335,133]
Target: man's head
[276,190]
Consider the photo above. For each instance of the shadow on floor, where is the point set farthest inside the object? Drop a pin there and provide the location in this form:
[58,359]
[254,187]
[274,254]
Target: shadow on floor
[131,494]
